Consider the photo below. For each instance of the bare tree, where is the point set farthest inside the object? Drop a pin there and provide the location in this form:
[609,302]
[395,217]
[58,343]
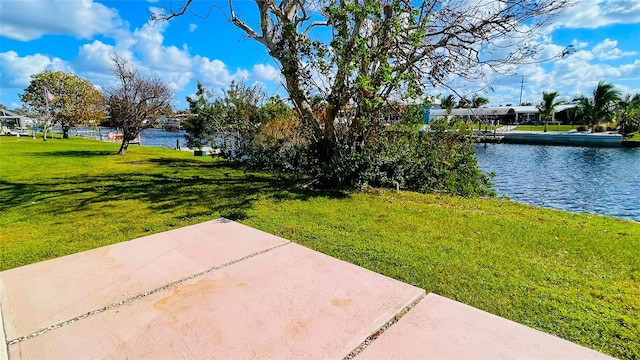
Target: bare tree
[137,102]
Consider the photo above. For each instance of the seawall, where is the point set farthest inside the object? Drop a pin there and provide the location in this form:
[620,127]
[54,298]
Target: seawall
[562,138]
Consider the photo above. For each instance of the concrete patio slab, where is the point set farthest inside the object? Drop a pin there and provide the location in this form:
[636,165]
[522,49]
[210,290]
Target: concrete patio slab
[40,295]
[223,290]
[288,302]
[440,328]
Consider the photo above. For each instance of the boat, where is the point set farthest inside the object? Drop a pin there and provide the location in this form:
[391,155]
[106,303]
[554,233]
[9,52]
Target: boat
[117,137]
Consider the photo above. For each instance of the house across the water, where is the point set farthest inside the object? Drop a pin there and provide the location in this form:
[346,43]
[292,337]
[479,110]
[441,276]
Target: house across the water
[503,114]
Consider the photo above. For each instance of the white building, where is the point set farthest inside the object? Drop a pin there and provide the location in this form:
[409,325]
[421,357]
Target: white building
[503,114]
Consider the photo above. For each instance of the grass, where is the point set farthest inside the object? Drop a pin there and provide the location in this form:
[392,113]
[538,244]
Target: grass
[63,196]
[572,275]
[633,137]
[562,128]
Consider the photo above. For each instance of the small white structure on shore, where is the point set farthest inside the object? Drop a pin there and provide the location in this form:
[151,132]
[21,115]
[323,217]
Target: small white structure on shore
[14,124]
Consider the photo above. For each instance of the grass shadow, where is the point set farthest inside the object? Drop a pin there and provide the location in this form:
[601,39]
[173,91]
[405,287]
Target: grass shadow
[75,153]
[180,186]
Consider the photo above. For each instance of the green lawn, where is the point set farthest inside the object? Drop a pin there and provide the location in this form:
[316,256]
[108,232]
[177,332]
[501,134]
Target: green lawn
[634,137]
[549,127]
[572,275]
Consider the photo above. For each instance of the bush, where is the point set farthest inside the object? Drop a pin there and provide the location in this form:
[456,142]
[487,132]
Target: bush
[269,136]
[280,147]
[599,129]
[440,160]
[582,128]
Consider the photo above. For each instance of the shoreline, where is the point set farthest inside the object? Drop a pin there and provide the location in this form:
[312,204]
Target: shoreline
[555,138]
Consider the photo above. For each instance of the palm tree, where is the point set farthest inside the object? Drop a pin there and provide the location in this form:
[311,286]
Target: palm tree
[448,103]
[548,106]
[628,112]
[478,101]
[601,106]
[571,114]
[463,102]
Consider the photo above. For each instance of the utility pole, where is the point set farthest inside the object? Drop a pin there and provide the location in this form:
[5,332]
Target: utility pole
[521,87]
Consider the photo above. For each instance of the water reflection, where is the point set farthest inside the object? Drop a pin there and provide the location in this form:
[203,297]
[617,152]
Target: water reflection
[592,180]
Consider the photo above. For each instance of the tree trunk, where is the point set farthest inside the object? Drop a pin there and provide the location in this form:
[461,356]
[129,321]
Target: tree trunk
[330,115]
[124,146]
[302,104]
[65,132]
[545,126]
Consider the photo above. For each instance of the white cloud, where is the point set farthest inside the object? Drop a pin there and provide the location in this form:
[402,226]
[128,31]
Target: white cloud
[172,64]
[572,75]
[149,44]
[592,14]
[192,27]
[17,70]
[631,71]
[607,50]
[94,56]
[266,73]
[31,19]
[214,73]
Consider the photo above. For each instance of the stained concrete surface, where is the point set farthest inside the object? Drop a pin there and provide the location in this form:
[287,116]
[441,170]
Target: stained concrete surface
[223,290]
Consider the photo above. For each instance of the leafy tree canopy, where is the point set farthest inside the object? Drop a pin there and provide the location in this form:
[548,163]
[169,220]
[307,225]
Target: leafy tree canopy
[629,114]
[548,106]
[72,100]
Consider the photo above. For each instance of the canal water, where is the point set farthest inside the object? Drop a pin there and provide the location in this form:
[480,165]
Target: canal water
[148,137]
[159,137]
[593,180]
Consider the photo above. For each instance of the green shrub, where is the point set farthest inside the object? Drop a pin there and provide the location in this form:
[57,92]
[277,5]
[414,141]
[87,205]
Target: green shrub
[599,129]
[269,136]
[441,160]
[582,128]
[279,144]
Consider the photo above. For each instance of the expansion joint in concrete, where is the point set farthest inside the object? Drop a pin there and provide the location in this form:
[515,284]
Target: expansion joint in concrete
[371,338]
[134,298]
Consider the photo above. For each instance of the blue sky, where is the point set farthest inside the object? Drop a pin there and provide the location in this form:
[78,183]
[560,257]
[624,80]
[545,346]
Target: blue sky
[79,35]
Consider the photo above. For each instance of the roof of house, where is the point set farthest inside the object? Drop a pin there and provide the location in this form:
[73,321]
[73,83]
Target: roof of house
[495,111]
